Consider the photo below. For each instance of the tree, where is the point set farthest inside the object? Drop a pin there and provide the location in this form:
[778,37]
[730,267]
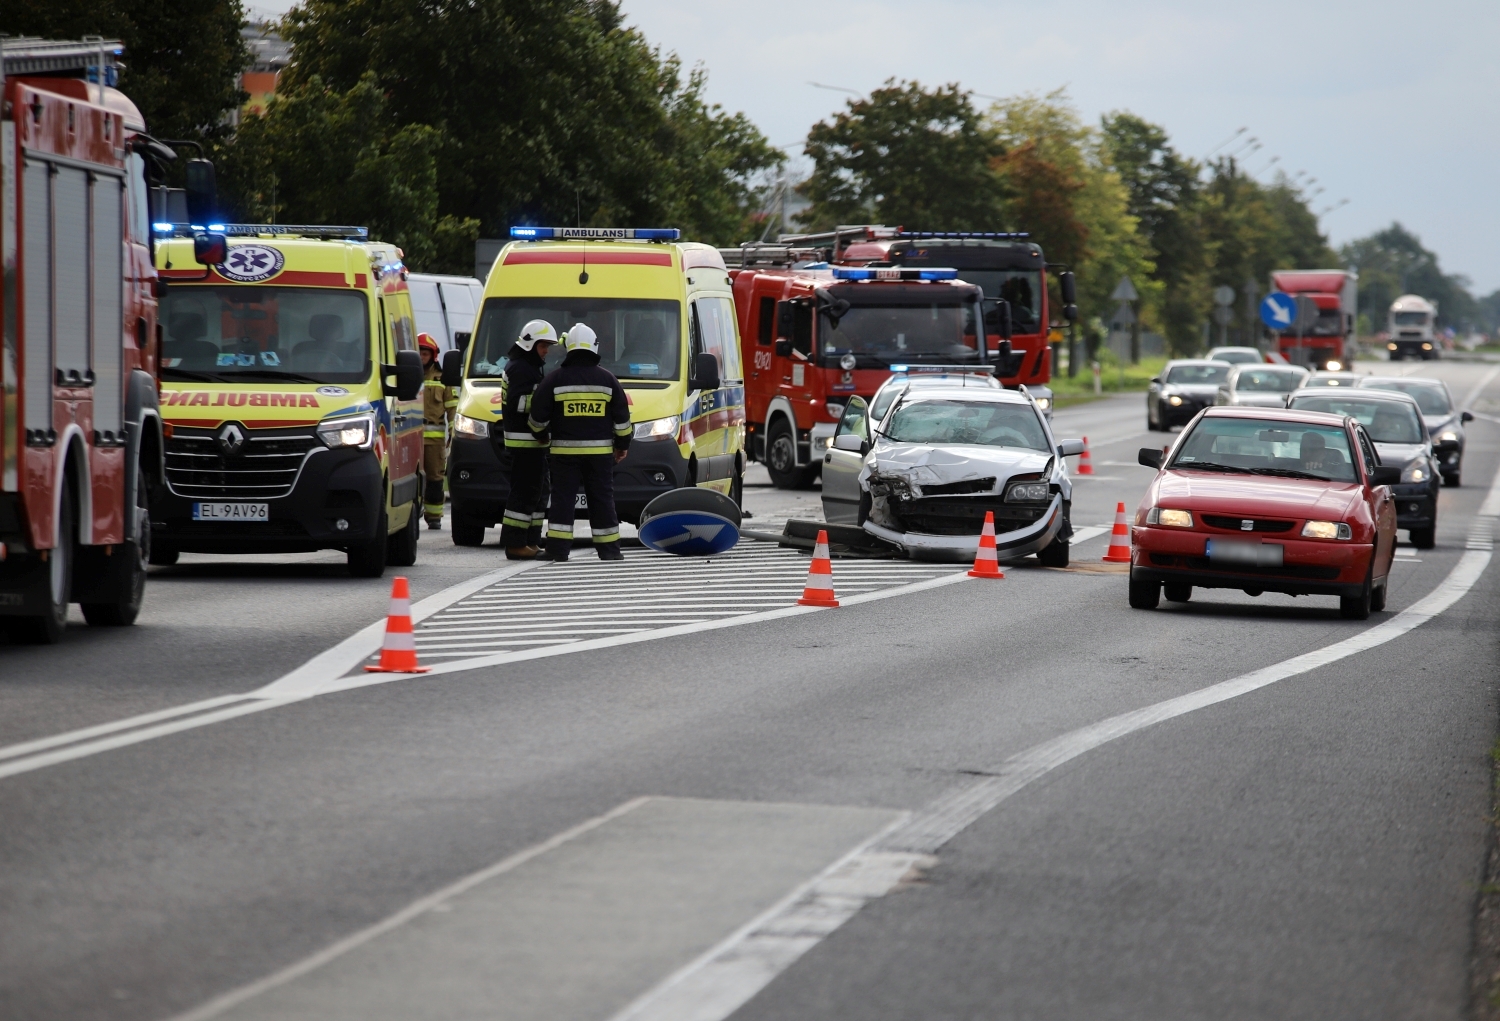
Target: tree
[545,110]
[1393,262]
[907,156]
[182,57]
[323,156]
[1065,193]
[1163,189]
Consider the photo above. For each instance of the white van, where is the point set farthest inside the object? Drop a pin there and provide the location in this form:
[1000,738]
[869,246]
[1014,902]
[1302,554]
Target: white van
[445,306]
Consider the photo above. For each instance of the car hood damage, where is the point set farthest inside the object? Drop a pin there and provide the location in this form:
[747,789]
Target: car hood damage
[931,500]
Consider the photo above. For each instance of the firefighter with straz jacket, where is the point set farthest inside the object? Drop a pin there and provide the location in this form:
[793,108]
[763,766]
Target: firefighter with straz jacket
[438,404]
[526,506]
[583,408]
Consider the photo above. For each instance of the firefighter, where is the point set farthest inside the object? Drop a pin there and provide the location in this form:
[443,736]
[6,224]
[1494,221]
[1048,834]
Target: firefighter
[584,409]
[438,404]
[526,506]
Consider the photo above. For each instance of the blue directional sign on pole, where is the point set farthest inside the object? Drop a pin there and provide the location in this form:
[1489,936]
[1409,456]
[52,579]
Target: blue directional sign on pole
[1279,311]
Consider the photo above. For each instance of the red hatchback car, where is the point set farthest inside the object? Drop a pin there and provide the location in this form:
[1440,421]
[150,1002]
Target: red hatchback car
[1266,500]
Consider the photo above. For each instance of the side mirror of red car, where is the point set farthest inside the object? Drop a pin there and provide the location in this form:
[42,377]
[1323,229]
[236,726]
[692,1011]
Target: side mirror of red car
[1150,457]
[1385,475]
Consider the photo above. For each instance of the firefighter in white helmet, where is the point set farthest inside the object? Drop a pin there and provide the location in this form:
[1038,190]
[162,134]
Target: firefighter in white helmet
[525,507]
[583,408]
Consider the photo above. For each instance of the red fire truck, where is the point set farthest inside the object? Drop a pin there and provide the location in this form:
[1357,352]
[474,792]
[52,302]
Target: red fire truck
[1322,342]
[80,438]
[805,358]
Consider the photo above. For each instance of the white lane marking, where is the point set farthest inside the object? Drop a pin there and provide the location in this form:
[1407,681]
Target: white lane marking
[1091,532]
[235,997]
[1478,387]
[41,744]
[322,674]
[724,978]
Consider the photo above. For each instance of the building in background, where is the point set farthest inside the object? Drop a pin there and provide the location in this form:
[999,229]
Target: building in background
[269,54]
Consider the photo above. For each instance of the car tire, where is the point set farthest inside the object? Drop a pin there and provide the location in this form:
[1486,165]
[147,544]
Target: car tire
[1423,538]
[1453,481]
[1177,591]
[781,459]
[367,559]
[467,531]
[1054,554]
[1358,607]
[401,548]
[1144,595]
[1377,597]
[737,489]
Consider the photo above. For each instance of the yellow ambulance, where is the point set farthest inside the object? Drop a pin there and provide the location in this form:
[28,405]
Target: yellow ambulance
[663,311]
[290,397]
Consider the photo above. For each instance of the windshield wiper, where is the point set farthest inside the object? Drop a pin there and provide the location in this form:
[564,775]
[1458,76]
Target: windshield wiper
[1289,473]
[1211,466]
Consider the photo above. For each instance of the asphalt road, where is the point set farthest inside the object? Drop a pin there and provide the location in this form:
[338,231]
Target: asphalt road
[945,799]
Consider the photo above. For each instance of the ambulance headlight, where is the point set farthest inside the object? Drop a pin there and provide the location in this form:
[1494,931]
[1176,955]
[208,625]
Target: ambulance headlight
[658,428]
[473,428]
[347,432]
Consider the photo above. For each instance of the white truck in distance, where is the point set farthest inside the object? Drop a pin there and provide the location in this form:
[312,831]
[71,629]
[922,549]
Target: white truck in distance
[1410,325]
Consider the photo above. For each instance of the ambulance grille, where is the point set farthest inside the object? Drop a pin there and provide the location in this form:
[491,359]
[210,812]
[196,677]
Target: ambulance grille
[265,466]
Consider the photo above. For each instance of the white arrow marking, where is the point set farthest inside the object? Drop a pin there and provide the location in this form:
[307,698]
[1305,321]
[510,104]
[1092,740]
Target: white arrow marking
[1281,313]
[704,532]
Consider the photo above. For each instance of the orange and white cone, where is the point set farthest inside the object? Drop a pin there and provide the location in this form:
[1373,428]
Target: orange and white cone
[1085,463]
[398,653]
[819,588]
[986,562]
[1119,540]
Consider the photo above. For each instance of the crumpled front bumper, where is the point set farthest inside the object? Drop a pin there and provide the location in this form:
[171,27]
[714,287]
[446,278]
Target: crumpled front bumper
[1022,542]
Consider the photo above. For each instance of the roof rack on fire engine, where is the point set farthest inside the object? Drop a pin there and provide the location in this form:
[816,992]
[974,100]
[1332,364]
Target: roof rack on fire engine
[62,58]
[595,233]
[761,253]
[254,230]
[982,235]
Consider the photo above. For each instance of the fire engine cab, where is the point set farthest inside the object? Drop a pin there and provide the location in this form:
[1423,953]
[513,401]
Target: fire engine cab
[815,335]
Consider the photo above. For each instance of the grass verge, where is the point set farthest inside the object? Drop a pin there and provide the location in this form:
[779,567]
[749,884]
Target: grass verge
[1113,378]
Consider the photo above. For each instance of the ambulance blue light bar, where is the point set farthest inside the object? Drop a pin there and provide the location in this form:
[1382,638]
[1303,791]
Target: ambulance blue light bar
[892,273]
[251,230]
[992,235]
[595,233]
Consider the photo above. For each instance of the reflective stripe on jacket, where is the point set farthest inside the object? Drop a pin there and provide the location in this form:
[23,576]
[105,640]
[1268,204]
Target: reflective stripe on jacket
[523,371]
[583,407]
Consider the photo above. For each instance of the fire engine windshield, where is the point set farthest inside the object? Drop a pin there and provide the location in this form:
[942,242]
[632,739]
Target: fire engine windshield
[1022,288]
[250,333]
[639,338]
[925,327]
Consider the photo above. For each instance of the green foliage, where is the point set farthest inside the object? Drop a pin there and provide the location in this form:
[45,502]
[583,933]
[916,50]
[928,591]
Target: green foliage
[1164,195]
[182,57]
[905,156]
[544,111]
[324,156]
[1393,262]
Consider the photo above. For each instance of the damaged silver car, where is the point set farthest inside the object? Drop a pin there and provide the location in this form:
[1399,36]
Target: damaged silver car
[924,474]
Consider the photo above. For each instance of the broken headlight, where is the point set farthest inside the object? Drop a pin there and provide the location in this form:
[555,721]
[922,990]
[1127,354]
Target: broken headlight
[890,487]
[1028,492]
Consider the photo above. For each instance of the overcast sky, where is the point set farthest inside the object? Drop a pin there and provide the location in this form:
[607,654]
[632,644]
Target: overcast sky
[1392,105]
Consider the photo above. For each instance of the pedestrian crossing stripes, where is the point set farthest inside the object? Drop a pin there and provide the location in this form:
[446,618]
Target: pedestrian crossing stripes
[585,598]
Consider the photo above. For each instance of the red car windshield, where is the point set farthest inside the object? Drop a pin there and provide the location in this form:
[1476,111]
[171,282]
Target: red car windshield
[1266,447]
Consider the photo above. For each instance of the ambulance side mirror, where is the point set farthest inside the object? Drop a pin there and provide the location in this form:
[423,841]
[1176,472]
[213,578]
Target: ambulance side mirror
[453,368]
[706,372]
[210,249]
[202,192]
[409,376]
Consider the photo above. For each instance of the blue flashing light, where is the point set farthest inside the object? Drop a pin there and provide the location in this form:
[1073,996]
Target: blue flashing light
[162,228]
[892,273]
[595,233]
[994,235]
[900,368]
[216,226]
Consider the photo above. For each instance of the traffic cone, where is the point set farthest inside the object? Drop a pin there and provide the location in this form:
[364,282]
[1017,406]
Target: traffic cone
[398,653]
[1119,540]
[1085,463]
[986,563]
[819,588]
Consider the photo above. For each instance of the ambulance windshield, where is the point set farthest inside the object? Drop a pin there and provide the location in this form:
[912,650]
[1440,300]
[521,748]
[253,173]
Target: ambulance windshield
[245,333]
[639,338]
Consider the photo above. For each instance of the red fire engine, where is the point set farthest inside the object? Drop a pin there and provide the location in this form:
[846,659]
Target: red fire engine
[80,438]
[825,317]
